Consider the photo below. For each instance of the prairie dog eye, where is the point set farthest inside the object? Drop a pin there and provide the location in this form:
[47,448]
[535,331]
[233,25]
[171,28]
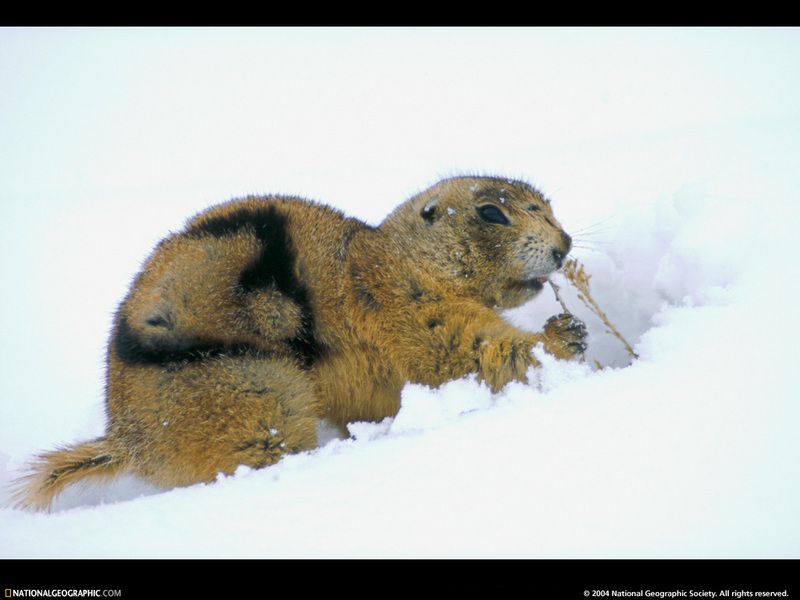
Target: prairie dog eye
[491,214]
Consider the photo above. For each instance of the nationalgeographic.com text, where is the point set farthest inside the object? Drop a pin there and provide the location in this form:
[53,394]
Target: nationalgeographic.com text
[63,593]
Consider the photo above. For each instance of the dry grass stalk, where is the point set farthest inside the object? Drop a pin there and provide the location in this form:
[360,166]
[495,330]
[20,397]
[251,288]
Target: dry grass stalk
[578,278]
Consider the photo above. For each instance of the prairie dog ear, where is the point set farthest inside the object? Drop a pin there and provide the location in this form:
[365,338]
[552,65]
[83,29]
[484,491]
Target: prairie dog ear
[430,210]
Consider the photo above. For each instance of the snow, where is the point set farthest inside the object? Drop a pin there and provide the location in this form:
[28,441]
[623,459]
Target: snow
[670,154]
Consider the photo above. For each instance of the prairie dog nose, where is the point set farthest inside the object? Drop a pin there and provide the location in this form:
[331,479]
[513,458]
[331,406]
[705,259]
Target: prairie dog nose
[559,252]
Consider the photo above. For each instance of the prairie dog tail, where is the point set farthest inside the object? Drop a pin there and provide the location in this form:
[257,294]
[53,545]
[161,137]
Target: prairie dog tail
[53,471]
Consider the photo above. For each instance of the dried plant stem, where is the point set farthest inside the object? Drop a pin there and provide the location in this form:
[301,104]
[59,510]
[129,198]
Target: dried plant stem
[575,274]
[558,296]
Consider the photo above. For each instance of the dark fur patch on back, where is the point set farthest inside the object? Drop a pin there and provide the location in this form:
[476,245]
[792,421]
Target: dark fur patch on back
[274,268]
[130,349]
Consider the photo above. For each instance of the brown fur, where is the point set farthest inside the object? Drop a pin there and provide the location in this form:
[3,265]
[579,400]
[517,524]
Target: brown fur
[265,316]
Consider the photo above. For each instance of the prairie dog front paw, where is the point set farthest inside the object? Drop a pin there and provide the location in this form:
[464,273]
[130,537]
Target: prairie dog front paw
[565,336]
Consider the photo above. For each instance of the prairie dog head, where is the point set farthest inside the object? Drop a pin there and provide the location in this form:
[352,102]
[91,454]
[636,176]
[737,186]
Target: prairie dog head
[498,237]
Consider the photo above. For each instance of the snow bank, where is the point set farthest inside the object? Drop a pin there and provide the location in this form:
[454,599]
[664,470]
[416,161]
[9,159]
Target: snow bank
[691,451]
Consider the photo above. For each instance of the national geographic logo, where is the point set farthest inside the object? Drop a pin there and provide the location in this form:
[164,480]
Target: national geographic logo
[59,593]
